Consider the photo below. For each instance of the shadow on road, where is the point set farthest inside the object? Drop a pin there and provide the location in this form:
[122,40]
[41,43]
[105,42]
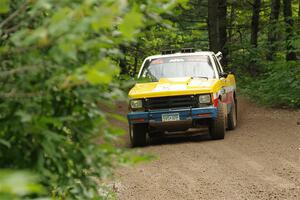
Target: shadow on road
[199,136]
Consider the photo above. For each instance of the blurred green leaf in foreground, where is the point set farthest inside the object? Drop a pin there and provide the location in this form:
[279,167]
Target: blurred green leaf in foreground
[58,61]
[16,185]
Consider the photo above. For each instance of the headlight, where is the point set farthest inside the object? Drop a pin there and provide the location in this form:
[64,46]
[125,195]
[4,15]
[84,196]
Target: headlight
[204,98]
[135,104]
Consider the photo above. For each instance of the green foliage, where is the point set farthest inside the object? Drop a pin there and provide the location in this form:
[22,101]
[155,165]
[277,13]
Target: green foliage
[279,86]
[17,185]
[58,62]
[132,21]
[4,6]
[276,82]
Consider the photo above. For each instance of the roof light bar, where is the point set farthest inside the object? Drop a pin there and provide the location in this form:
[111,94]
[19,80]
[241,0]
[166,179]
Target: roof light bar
[187,50]
[168,51]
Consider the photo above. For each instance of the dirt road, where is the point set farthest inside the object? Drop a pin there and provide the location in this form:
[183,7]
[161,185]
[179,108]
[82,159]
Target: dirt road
[258,160]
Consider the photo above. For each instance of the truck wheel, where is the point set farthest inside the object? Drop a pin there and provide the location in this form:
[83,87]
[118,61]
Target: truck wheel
[232,116]
[138,134]
[217,125]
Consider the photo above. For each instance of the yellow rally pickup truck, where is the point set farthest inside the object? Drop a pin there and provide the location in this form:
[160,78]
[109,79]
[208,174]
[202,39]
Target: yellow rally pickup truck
[183,91]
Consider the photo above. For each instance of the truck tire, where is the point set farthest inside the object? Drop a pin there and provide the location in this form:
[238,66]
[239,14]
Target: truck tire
[217,125]
[232,116]
[138,134]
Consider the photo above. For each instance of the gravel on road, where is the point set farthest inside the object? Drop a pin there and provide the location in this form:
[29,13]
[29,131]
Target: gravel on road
[260,159]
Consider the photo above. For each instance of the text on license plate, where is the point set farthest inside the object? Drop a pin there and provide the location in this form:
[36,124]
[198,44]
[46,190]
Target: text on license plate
[170,117]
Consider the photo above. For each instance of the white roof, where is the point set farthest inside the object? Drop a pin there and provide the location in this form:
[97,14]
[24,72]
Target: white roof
[198,53]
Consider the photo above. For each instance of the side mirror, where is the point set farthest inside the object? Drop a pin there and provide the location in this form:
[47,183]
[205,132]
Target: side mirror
[223,75]
[219,55]
[230,72]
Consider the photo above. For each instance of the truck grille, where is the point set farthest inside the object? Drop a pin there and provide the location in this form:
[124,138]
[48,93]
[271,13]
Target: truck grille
[170,102]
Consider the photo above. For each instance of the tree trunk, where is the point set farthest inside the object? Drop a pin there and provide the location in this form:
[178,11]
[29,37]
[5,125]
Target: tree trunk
[213,25]
[231,26]
[122,60]
[222,16]
[273,35]
[231,20]
[287,11]
[299,11]
[255,22]
[136,62]
[256,6]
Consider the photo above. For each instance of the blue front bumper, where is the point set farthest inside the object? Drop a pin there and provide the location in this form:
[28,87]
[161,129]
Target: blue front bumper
[155,116]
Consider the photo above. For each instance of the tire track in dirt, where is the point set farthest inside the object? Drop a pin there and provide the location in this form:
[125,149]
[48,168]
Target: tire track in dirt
[258,160]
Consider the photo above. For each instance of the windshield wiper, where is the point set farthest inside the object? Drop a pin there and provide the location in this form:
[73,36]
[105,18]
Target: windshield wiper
[199,77]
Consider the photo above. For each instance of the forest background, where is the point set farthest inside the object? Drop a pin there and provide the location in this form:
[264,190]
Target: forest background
[60,59]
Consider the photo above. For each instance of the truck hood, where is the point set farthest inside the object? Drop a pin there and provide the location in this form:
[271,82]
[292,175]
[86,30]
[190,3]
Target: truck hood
[174,87]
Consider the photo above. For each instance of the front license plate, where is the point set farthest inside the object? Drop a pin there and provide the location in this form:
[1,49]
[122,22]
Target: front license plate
[170,117]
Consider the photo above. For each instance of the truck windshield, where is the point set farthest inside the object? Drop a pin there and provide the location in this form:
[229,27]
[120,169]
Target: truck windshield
[181,66]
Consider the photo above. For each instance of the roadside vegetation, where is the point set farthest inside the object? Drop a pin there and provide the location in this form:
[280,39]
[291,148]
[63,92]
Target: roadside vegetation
[60,59]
